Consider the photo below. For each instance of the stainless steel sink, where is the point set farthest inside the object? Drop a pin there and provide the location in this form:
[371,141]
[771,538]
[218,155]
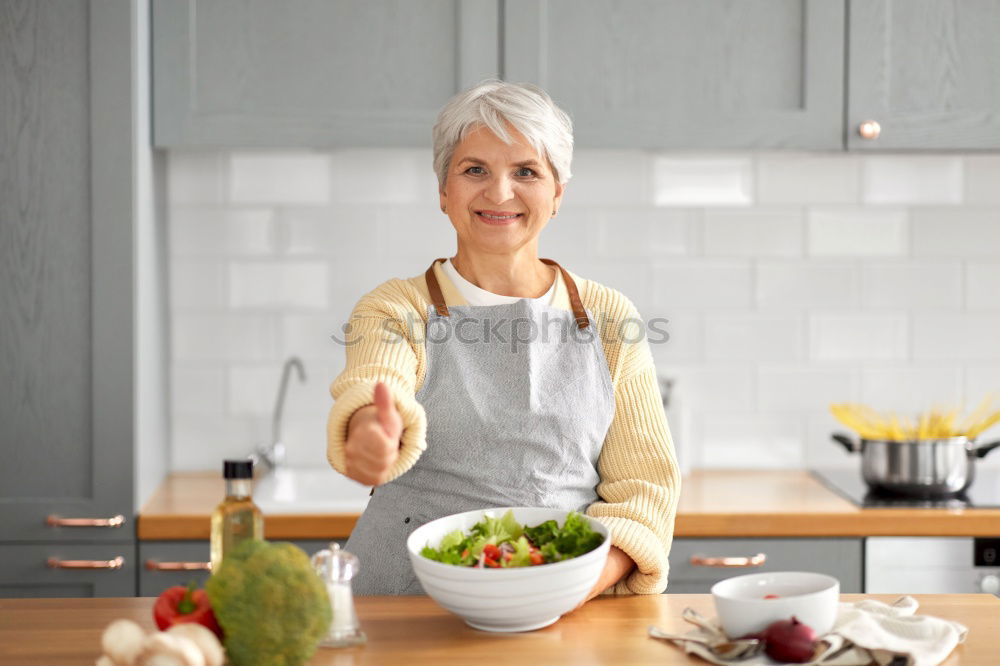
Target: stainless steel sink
[309,490]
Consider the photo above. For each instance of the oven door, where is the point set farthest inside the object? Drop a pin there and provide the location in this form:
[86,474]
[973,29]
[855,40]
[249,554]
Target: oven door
[932,565]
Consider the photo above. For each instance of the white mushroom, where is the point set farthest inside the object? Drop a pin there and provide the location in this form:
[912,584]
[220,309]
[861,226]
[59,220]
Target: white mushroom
[206,641]
[162,649]
[104,660]
[122,641]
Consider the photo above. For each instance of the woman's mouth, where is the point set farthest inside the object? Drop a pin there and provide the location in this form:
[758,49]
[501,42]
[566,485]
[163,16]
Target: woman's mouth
[498,217]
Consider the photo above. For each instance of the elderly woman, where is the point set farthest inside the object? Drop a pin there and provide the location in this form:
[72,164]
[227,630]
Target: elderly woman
[498,378]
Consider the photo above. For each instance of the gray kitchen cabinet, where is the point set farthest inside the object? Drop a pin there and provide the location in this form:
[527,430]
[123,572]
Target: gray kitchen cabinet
[314,73]
[160,562]
[673,74]
[68,375]
[927,71]
[26,570]
[841,558]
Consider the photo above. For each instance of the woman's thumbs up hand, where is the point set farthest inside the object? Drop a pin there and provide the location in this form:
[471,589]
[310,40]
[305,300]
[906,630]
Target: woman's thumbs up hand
[372,444]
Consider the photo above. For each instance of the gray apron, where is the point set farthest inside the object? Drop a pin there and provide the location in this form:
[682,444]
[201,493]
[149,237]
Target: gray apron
[518,400]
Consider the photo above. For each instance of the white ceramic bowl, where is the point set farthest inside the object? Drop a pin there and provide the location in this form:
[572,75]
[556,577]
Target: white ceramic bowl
[742,609]
[516,599]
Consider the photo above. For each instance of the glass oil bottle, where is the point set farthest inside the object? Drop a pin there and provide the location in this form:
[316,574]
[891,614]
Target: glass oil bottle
[237,518]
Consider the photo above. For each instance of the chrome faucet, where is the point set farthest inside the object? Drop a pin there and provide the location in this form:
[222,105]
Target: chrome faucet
[273,456]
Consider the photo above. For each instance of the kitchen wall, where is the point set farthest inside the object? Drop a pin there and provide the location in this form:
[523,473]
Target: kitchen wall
[790,281]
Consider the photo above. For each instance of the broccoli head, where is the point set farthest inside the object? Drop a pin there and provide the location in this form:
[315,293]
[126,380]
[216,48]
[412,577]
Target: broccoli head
[272,606]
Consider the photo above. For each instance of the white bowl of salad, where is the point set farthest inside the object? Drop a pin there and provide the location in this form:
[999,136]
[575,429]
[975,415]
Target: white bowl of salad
[509,569]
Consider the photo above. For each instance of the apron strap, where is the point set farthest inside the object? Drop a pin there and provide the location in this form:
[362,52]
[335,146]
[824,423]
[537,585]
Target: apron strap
[437,297]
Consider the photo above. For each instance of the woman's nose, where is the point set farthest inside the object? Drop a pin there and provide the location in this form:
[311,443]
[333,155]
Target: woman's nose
[499,190]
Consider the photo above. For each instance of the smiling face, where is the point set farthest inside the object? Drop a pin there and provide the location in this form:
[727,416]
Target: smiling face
[499,197]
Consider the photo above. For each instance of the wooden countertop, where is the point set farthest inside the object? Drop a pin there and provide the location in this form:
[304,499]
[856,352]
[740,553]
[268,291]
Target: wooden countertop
[713,503]
[415,630]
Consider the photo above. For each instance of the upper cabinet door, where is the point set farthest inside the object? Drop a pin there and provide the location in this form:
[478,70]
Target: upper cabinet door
[66,272]
[927,71]
[710,74]
[314,73]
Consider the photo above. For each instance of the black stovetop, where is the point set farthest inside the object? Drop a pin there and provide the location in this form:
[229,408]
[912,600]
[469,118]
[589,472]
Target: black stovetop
[984,493]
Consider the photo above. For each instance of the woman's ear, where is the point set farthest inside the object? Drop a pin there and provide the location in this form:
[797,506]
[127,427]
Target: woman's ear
[443,198]
[557,199]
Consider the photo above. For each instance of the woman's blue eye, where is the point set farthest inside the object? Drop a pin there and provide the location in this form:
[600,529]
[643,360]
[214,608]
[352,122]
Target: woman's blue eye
[530,171]
[473,167]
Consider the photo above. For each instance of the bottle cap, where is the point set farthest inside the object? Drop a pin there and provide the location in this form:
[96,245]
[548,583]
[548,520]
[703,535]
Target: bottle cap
[237,469]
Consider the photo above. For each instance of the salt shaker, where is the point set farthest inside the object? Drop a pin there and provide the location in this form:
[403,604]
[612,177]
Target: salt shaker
[337,567]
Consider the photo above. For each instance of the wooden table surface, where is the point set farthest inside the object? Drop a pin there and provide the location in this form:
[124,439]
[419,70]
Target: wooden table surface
[414,630]
[713,503]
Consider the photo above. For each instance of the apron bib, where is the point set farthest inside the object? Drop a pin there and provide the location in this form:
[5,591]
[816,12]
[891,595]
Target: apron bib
[518,400]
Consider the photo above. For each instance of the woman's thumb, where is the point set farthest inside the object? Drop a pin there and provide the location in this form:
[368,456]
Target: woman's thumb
[388,418]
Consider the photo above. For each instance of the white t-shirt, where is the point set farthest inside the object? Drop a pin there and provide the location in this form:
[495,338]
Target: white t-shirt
[476,296]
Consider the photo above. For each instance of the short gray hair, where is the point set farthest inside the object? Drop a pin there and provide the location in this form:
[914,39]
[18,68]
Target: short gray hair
[489,104]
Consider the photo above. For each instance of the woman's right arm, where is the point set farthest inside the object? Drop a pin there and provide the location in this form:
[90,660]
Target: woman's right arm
[381,348]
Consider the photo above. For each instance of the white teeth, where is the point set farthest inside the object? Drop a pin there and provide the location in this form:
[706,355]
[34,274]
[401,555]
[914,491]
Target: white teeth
[498,217]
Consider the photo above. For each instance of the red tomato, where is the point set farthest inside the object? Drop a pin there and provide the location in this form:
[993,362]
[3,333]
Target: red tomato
[491,551]
[493,564]
[537,557]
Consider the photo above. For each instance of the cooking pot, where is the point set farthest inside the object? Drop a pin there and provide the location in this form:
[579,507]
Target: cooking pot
[921,467]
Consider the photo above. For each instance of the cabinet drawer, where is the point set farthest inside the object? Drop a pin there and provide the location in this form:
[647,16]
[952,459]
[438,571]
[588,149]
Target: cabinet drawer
[26,571]
[841,558]
[154,554]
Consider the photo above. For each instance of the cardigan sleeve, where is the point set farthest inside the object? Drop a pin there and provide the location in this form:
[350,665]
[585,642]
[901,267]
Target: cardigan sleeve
[380,347]
[640,482]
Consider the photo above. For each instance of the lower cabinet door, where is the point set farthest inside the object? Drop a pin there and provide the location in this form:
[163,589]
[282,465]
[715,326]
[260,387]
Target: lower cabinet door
[68,570]
[692,560]
[163,564]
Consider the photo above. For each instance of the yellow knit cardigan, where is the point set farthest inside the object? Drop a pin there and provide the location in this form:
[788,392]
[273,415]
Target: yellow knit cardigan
[640,482]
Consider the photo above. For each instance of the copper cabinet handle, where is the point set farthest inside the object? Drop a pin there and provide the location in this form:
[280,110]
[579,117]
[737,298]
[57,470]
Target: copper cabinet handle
[153,565]
[755,561]
[56,521]
[56,563]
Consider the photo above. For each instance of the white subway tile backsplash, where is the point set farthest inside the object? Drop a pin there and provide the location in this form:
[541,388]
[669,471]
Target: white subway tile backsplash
[912,179]
[812,284]
[714,389]
[798,388]
[982,286]
[753,337]
[707,284]
[750,441]
[771,285]
[643,233]
[223,337]
[198,284]
[415,231]
[200,231]
[911,389]
[280,178]
[821,451]
[198,389]
[335,231]
[950,336]
[982,179]
[273,284]
[753,232]
[956,232]
[808,179]
[703,181]
[197,177]
[253,389]
[384,176]
[858,232]
[319,336]
[201,442]
[608,177]
[674,336]
[856,337]
[915,285]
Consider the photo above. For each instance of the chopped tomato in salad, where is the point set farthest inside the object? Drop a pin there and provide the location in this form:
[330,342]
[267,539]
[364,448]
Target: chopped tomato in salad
[499,543]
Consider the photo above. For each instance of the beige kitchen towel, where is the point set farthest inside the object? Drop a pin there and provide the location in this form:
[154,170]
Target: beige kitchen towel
[865,632]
